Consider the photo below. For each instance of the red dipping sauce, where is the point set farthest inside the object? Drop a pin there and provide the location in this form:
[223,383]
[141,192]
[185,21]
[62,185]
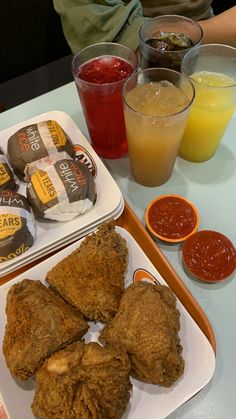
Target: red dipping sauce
[172,218]
[209,255]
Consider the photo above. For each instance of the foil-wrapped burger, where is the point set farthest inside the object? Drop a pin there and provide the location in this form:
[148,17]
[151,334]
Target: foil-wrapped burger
[36,141]
[17,225]
[61,190]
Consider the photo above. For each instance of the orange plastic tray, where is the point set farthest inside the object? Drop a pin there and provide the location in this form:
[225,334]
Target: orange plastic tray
[130,222]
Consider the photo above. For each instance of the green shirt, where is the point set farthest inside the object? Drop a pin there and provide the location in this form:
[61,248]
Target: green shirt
[86,22]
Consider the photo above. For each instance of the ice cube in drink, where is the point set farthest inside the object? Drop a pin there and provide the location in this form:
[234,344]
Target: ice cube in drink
[169,48]
[170,41]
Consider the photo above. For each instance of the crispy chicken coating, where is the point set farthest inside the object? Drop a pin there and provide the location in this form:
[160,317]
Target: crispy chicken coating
[92,277]
[39,322]
[84,381]
[147,326]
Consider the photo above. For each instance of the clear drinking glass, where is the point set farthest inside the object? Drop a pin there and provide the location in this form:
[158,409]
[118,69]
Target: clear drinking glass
[212,68]
[156,105]
[99,72]
[164,40]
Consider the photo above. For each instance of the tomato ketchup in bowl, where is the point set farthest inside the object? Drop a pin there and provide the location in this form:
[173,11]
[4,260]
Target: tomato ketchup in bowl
[209,255]
[171,218]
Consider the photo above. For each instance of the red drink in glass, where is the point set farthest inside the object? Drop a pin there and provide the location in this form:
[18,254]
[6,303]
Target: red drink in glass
[99,82]
[105,69]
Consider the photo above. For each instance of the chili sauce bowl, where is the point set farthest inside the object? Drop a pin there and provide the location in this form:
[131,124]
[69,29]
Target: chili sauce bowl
[171,218]
[209,256]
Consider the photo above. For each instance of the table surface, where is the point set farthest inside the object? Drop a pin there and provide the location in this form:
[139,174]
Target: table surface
[211,186]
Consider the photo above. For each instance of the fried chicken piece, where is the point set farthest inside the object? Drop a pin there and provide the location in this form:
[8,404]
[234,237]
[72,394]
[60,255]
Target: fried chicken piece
[92,277]
[83,381]
[147,326]
[39,322]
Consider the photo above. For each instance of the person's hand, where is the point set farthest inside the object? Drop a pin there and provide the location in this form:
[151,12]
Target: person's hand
[220,29]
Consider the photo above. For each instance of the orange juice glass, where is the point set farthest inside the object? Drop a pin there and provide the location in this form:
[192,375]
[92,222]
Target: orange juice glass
[212,68]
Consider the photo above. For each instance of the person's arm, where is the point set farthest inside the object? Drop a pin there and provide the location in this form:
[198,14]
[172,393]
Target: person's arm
[220,29]
[86,22]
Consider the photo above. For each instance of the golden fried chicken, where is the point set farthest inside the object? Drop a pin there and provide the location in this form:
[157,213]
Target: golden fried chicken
[92,277]
[39,322]
[83,381]
[147,325]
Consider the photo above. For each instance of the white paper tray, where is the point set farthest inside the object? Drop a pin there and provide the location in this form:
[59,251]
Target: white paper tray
[147,401]
[48,234]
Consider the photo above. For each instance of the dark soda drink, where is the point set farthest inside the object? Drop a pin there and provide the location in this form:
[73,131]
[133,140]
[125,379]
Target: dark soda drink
[99,82]
[164,40]
[169,49]
[170,41]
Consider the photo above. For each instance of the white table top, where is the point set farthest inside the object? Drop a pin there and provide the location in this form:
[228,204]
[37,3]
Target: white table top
[211,186]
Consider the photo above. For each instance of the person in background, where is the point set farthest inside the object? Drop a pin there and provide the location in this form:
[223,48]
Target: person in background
[86,22]
[220,6]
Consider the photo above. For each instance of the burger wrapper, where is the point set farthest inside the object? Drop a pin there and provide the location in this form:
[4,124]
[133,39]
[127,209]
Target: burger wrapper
[17,225]
[36,141]
[61,191]
[7,177]
[41,164]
